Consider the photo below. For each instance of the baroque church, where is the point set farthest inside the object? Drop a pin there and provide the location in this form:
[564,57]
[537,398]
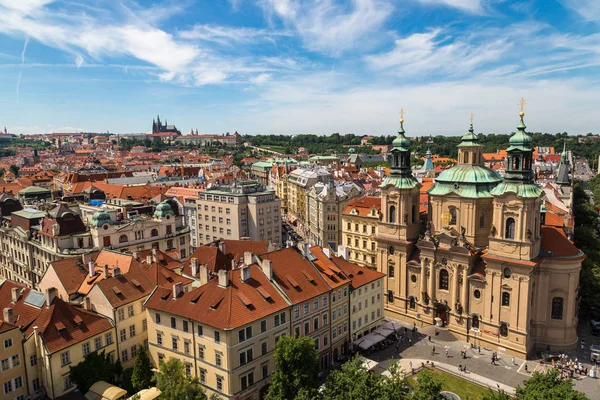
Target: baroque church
[484,265]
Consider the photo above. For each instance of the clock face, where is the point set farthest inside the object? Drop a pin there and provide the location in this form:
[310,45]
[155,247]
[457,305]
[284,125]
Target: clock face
[444,261]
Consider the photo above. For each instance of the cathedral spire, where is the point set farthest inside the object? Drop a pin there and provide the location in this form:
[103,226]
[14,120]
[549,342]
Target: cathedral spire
[399,159]
[520,153]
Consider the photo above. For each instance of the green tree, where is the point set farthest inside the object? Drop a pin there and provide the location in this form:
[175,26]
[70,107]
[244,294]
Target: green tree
[297,367]
[500,395]
[14,169]
[141,378]
[394,384]
[548,386]
[353,382]
[428,387]
[96,366]
[174,384]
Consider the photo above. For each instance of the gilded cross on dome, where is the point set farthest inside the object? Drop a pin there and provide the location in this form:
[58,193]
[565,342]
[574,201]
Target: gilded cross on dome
[402,112]
[471,118]
[522,104]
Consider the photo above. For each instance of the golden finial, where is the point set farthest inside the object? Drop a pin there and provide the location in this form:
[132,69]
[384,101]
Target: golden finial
[402,115]
[522,104]
[471,118]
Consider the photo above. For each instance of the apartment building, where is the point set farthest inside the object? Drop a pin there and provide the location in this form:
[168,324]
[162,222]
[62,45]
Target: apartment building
[242,210]
[299,183]
[54,335]
[325,203]
[359,223]
[309,295]
[366,297]
[223,331]
[12,361]
[120,225]
[278,179]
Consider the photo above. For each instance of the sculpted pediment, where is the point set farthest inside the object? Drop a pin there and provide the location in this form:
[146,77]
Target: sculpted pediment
[447,238]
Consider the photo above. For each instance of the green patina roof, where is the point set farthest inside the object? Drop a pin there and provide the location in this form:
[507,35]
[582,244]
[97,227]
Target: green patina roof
[470,139]
[33,189]
[520,140]
[523,190]
[400,182]
[163,209]
[401,143]
[262,164]
[469,181]
[100,218]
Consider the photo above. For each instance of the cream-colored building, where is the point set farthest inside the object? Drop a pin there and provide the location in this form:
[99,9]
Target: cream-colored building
[359,223]
[223,331]
[241,210]
[325,203]
[300,181]
[13,379]
[486,266]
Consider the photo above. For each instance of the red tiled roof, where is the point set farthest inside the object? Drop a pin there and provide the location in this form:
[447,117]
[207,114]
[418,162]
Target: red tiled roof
[223,307]
[359,276]
[131,286]
[555,243]
[329,270]
[363,206]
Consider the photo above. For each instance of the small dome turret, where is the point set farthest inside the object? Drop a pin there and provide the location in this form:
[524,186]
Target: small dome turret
[100,218]
[163,209]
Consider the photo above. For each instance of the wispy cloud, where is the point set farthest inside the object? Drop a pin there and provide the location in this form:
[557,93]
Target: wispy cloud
[18,88]
[471,6]
[332,27]
[228,35]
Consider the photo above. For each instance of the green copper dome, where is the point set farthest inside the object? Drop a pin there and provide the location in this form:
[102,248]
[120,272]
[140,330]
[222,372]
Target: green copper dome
[163,209]
[401,142]
[469,181]
[100,218]
[520,140]
[470,139]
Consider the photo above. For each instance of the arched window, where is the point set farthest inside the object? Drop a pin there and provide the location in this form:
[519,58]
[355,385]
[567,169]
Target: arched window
[154,232]
[390,271]
[516,162]
[443,279]
[482,220]
[123,239]
[557,308]
[415,214]
[452,216]
[510,228]
[392,216]
[390,296]
[475,322]
[411,303]
[503,329]
[506,299]
[466,157]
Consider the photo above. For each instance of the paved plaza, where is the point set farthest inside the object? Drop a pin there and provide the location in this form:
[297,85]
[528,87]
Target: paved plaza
[480,369]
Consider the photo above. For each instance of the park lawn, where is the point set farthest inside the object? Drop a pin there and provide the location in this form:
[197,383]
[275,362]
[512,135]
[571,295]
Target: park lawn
[279,149]
[465,389]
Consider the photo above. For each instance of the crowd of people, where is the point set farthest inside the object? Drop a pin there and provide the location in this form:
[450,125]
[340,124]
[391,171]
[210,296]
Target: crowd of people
[569,368]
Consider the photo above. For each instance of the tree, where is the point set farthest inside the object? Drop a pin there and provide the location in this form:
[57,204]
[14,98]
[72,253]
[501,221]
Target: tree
[548,386]
[174,384]
[500,395]
[394,384]
[14,169]
[96,366]
[428,388]
[297,367]
[353,381]
[141,378]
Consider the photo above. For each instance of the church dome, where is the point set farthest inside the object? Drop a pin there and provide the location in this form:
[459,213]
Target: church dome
[100,218]
[401,141]
[520,140]
[163,209]
[472,181]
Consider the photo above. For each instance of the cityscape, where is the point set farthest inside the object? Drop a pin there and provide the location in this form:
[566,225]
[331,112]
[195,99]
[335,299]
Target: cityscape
[377,257]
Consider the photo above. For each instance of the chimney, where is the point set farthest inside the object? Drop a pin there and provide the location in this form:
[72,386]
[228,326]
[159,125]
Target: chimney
[91,269]
[343,252]
[194,266]
[8,315]
[116,272]
[223,278]
[86,258]
[149,259]
[267,268]
[203,274]
[154,255]
[177,290]
[248,257]
[222,246]
[105,271]
[245,273]
[136,255]
[50,295]
[87,304]
[15,294]
[327,252]
[306,249]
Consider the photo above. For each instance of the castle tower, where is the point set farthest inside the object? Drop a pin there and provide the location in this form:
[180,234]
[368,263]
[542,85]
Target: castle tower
[400,224]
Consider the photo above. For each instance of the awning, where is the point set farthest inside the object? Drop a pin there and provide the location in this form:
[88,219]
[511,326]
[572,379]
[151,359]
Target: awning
[383,331]
[146,394]
[104,391]
[368,363]
[391,326]
[369,340]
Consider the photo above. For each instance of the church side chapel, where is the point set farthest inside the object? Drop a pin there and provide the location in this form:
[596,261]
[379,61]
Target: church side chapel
[484,265]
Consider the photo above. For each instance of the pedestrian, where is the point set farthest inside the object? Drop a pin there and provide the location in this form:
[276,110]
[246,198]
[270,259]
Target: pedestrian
[396,347]
[526,367]
[430,338]
[433,351]
[409,342]
[513,361]
[465,368]
[410,365]
[446,353]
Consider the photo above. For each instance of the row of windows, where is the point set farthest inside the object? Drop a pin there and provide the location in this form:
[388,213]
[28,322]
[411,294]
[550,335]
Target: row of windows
[65,357]
[356,228]
[357,324]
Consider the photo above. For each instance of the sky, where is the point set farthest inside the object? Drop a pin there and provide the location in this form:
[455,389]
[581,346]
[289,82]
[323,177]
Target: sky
[290,67]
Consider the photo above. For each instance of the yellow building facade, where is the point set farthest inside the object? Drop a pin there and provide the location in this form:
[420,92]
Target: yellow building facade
[359,223]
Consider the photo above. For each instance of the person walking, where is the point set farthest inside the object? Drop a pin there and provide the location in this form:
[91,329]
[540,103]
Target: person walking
[446,352]
[433,351]
[513,361]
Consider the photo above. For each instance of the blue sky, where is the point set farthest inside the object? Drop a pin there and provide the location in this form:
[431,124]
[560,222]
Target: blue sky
[285,66]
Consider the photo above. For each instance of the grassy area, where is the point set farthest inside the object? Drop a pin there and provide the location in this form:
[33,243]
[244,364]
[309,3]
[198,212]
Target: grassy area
[279,149]
[465,389]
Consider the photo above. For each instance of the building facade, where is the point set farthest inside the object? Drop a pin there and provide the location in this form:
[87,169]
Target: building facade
[300,181]
[485,266]
[359,223]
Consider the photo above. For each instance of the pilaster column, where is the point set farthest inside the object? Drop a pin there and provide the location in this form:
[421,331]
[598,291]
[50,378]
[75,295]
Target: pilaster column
[465,289]
[431,291]
[423,277]
[454,287]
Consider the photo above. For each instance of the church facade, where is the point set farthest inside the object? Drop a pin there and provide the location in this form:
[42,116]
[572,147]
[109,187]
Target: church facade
[483,265]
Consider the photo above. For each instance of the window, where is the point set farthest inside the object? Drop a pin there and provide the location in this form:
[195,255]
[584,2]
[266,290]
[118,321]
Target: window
[186,346]
[154,232]
[482,220]
[306,328]
[33,360]
[452,216]
[412,304]
[443,279]
[218,358]
[132,331]
[392,215]
[200,330]
[316,324]
[390,271]
[475,322]
[185,326]
[201,352]
[506,272]
[247,381]
[390,296]
[174,343]
[325,319]
[121,314]
[477,294]
[202,375]
[246,356]
[159,339]
[8,386]
[503,329]
[8,343]
[123,239]
[510,228]
[297,331]
[305,308]
[173,323]
[86,349]
[123,335]
[505,299]
[36,384]
[315,304]
[282,317]
[108,338]
[133,351]
[245,334]
[557,308]
[217,336]
[265,371]
[67,382]
[65,358]
[124,355]
[296,312]
[413,278]
[263,348]
[144,325]
[188,369]
[276,318]
[263,326]
[157,318]
[97,343]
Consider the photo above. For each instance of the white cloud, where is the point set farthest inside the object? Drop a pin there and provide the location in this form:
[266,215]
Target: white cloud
[472,6]
[78,61]
[589,10]
[227,35]
[330,27]
[261,79]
